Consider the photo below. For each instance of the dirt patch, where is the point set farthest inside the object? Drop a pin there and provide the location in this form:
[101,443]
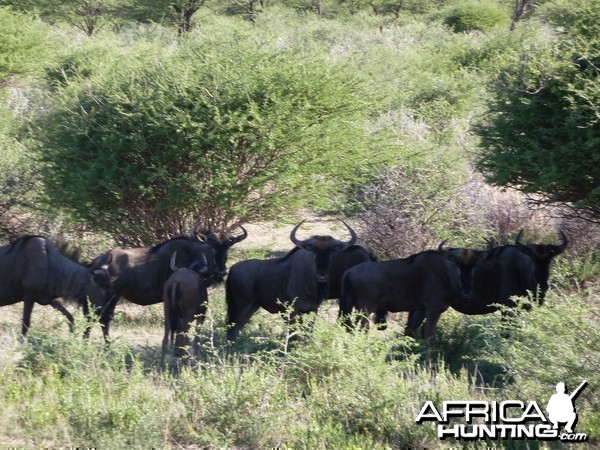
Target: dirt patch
[276,237]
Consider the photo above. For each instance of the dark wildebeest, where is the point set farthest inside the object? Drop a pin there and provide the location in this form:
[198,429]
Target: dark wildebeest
[510,271]
[185,298]
[139,274]
[273,284]
[34,271]
[342,261]
[426,283]
[542,255]
[494,277]
[500,274]
[221,242]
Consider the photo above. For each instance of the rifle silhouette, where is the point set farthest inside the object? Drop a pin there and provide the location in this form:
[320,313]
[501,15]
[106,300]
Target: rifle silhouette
[576,392]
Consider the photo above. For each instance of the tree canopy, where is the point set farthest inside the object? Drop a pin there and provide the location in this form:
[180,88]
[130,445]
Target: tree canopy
[213,133]
[542,134]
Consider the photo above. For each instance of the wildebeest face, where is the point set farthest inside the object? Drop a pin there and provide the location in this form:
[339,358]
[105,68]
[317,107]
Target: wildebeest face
[322,247]
[466,260]
[221,243]
[542,253]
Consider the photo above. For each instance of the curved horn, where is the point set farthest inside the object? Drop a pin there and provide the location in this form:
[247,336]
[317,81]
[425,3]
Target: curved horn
[173,262]
[293,238]
[518,238]
[353,237]
[564,242]
[197,235]
[441,246]
[241,237]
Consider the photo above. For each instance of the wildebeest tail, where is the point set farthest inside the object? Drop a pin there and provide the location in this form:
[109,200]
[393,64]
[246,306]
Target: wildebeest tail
[173,298]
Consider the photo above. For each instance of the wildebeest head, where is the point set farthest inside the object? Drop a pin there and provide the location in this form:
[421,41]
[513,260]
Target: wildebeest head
[466,260]
[542,252]
[323,247]
[542,255]
[221,243]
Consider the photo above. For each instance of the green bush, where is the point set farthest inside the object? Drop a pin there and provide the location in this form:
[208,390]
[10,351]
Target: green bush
[212,133]
[26,45]
[476,16]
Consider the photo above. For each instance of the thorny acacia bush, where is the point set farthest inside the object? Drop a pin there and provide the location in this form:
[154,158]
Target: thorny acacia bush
[409,209]
[329,389]
[217,130]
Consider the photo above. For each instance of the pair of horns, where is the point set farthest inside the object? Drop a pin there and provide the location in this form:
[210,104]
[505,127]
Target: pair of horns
[195,233]
[299,243]
[563,240]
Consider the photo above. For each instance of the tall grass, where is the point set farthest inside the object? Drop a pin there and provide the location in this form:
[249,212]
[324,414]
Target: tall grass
[328,389]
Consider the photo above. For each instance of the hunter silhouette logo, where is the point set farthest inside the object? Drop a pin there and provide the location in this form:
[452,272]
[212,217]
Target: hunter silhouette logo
[509,419]
[561,409]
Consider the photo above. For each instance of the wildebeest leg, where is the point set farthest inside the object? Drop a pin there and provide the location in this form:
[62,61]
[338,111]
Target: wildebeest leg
[237,320]
[200,317]
[381,319]
[363,318]
[431,320]
[27,309]
[85,308]
[414,321]
[299,317]
[106,315]
[60,307]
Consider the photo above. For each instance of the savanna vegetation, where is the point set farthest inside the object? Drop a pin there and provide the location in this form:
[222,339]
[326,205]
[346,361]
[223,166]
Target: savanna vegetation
[125,123]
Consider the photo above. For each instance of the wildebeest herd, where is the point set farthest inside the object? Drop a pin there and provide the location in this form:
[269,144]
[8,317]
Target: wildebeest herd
[178,272]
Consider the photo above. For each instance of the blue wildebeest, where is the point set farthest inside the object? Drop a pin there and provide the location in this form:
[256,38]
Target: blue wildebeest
[342,261]
[426,283]
[509,271]
[185,298]
[502,273]
[273,284]
[139,274]
[542,255]
[221,242]
[34,271]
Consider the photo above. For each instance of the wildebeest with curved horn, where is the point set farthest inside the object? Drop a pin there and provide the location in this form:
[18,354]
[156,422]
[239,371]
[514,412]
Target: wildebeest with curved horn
[139,274]
[221,242]
[542,255]
[342,261]
[509,271]
[274,284]
[185,298]
[34,271]
[426,283]
[498,275]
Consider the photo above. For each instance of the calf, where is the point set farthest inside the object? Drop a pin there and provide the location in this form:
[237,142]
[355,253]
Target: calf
[185,298]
